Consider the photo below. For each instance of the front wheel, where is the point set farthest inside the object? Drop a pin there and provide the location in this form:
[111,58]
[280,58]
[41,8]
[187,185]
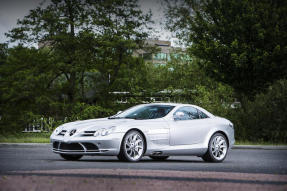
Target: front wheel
[132,147]
[217,148]
[71,157]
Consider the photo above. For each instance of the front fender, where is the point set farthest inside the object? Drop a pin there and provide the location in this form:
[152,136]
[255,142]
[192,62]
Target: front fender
[223,131]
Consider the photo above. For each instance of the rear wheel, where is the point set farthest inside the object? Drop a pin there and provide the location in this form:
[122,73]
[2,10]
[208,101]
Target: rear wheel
[159,157]
[217,148]
[71,157]
[133,146]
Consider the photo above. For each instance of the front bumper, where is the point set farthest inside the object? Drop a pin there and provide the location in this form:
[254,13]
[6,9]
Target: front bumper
[102,145]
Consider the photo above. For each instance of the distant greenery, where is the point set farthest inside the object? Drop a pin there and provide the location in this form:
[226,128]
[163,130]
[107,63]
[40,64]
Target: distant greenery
[265,118]
[186,82]
[240,43]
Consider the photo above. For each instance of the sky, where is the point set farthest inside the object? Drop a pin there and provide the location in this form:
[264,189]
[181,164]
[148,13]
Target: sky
[12,10]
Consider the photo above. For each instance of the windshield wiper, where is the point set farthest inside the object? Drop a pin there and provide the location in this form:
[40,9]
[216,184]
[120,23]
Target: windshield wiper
[115,117]
[136,118]
[139,118]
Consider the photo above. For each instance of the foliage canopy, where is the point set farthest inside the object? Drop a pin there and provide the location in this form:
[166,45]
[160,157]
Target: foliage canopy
[241,43]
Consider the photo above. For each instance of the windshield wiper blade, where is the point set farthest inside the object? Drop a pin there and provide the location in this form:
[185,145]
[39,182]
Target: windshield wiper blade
[115,117]
[136,118]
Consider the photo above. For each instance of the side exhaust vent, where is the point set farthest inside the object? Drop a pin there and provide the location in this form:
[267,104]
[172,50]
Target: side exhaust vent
[157,153]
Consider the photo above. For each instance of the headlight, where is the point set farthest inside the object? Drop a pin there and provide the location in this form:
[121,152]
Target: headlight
[104,131]
[97,133]
[58,129]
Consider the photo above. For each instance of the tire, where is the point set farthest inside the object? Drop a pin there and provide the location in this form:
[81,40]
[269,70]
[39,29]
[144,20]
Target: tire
[217,148]
[159,158]
[132,147]
[71,157]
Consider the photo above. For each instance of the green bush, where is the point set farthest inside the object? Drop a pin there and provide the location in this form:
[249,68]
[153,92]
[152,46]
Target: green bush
[82,111]
[72,112]
[216,100]
[265,118]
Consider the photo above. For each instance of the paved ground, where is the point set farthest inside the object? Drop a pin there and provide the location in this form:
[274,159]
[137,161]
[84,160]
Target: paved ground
[37,168]
[31,157]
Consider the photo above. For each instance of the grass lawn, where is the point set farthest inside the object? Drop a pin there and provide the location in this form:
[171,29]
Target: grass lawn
[45,138]
[25,138]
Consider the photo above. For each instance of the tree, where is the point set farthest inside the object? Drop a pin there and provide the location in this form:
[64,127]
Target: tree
[241,43]
[83,45]
[183,80]
[3,53]
[84,36]
[23,84]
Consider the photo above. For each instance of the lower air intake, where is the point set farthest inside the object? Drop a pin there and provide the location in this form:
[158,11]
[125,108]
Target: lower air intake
[71,146]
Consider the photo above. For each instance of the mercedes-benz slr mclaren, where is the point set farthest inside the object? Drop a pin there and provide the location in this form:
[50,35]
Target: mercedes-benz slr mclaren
[157,130]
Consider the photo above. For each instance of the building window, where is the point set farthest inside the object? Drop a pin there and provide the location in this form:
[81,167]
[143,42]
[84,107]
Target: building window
[160,56]
[168,58]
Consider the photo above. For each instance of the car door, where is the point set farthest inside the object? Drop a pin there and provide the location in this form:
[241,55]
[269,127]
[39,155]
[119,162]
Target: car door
[189,127]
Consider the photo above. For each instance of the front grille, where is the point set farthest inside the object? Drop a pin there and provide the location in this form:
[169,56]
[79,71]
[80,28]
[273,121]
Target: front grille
[88,133]
[79,147]
[62,133]
[71,146]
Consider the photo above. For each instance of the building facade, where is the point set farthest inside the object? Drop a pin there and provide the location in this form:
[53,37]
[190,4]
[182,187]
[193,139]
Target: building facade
[160,52]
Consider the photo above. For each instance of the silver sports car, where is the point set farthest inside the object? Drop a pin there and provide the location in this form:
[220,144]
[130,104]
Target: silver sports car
[156,130]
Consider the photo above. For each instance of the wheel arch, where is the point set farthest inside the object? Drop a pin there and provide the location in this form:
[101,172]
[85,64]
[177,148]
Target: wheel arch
[141,132]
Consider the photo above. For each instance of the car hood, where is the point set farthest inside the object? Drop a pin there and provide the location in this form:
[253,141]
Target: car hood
[93,124]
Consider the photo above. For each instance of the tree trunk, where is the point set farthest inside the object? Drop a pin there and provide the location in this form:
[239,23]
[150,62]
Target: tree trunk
[72,87]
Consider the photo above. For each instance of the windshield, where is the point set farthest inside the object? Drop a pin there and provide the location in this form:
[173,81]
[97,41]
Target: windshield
[145,112]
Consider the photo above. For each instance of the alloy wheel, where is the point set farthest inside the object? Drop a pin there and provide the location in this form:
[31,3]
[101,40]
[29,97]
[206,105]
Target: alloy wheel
[134,146]
[219,147]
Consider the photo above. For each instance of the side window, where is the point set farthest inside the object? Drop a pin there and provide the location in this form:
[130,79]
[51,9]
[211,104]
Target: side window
[202,115]
[189,113]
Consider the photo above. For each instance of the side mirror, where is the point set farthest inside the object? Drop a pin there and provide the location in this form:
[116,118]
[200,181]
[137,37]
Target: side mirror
[119,112]
[178,116]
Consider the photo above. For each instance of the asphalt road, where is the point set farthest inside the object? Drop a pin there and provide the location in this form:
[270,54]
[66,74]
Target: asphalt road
[35,167]
[28,158]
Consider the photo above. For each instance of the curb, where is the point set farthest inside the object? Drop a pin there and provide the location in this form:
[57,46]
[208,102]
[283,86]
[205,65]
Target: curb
[261,147]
